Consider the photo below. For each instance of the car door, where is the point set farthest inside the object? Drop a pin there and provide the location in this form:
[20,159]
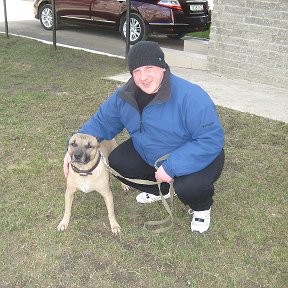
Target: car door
[74,8]
[107,11]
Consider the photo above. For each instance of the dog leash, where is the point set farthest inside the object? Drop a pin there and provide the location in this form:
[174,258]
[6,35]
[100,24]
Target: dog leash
[168,208]
[148,182]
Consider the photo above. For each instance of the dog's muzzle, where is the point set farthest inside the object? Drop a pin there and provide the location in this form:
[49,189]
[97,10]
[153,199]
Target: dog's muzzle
[80,157]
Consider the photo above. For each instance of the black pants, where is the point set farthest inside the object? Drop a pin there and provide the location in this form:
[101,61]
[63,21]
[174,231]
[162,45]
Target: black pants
[195,190]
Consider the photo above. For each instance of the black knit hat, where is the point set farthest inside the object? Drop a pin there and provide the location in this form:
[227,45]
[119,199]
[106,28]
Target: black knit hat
[145,53]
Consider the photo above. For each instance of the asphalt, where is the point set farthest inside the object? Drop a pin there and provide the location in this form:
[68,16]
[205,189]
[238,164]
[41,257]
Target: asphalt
[241,95]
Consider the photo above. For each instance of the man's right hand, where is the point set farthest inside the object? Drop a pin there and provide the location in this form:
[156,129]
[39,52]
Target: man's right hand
[67,160]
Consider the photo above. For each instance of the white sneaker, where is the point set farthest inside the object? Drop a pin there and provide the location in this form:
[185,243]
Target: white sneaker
[200,221]
[145,198]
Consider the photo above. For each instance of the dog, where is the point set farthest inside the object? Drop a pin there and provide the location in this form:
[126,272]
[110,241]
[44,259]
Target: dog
[87,173]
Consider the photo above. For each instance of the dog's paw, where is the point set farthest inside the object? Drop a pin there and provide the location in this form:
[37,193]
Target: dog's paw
[116,229]
[63,225]
[125,187]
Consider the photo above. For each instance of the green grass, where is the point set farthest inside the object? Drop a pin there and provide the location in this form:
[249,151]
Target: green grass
[46,94]
[201,34]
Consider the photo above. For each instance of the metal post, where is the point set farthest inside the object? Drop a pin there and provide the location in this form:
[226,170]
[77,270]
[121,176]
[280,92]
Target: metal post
[5,17]
[54,24]
[128,3]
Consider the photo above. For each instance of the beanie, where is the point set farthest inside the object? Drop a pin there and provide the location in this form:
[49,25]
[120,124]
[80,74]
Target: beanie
[145,53]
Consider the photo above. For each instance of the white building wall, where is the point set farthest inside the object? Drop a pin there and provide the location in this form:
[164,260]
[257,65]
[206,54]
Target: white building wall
[249,40]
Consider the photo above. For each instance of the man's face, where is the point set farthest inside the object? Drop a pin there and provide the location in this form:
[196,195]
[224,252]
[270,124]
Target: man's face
[148,78]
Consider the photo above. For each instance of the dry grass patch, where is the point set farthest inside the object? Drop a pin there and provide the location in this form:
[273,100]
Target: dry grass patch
[44,96]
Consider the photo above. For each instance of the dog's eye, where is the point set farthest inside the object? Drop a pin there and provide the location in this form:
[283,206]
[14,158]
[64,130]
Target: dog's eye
[73,144]
[89,146]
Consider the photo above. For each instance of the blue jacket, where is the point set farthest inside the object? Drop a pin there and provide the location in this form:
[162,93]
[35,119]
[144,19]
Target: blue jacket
[181,121]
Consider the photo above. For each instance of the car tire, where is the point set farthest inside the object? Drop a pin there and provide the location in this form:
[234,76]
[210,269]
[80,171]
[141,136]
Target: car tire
[139,30]
[46,17]
[176,36]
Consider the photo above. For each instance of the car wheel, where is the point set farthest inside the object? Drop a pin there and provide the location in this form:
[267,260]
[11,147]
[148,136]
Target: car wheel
[176,36]
[138,29]
[46,17]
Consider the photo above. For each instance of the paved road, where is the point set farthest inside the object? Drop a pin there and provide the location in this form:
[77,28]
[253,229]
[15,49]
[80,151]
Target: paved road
[21,22]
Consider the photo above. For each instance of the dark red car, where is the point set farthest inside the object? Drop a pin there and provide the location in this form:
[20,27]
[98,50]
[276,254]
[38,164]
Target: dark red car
[174,18]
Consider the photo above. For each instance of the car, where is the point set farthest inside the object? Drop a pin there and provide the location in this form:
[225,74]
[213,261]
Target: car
[170,17]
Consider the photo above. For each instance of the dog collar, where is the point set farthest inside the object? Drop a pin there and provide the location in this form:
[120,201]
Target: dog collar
[85,172]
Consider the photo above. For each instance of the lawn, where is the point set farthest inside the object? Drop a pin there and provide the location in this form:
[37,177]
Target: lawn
[200,34]
[47,94]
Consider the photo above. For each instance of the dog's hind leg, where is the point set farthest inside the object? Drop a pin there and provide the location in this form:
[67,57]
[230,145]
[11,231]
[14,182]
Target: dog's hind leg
[125,187]
[108,197]
[69,196]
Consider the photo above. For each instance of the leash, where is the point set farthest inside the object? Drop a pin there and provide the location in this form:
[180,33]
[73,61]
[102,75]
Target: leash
[168,209]
[148,182]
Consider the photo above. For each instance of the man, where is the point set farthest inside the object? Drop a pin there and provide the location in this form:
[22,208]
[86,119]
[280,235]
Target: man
[164,115]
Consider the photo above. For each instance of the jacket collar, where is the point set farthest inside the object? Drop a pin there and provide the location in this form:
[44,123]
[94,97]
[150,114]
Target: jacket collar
[129,90]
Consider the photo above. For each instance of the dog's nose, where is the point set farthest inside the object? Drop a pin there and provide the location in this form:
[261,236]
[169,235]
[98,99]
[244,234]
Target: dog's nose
[77,156]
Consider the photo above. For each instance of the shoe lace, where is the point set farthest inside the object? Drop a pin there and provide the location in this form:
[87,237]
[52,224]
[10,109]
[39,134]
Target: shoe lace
[203,214]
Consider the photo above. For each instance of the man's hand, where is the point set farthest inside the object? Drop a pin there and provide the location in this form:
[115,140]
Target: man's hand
[67,160]
[162,176]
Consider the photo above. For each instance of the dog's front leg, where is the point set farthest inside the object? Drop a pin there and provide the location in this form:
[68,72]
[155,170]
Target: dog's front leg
[108,197]
[69,196]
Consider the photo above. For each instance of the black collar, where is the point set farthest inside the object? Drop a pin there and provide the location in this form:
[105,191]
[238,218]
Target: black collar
[86,172]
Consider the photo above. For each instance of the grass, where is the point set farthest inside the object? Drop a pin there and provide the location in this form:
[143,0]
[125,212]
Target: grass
[201,34]
[46,94]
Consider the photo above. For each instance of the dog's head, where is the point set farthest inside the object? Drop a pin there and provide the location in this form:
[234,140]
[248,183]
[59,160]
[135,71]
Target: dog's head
[83,148]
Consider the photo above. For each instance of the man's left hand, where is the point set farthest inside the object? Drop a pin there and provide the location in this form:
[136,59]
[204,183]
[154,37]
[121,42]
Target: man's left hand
[162,176]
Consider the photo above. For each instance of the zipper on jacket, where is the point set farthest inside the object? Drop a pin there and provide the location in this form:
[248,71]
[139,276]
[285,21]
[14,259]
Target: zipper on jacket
[141,124]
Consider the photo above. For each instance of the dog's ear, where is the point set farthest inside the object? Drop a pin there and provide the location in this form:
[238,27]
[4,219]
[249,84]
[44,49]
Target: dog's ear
[68,139]
[98,142]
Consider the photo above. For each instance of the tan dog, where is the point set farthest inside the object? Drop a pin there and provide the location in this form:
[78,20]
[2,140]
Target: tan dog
[88,173]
